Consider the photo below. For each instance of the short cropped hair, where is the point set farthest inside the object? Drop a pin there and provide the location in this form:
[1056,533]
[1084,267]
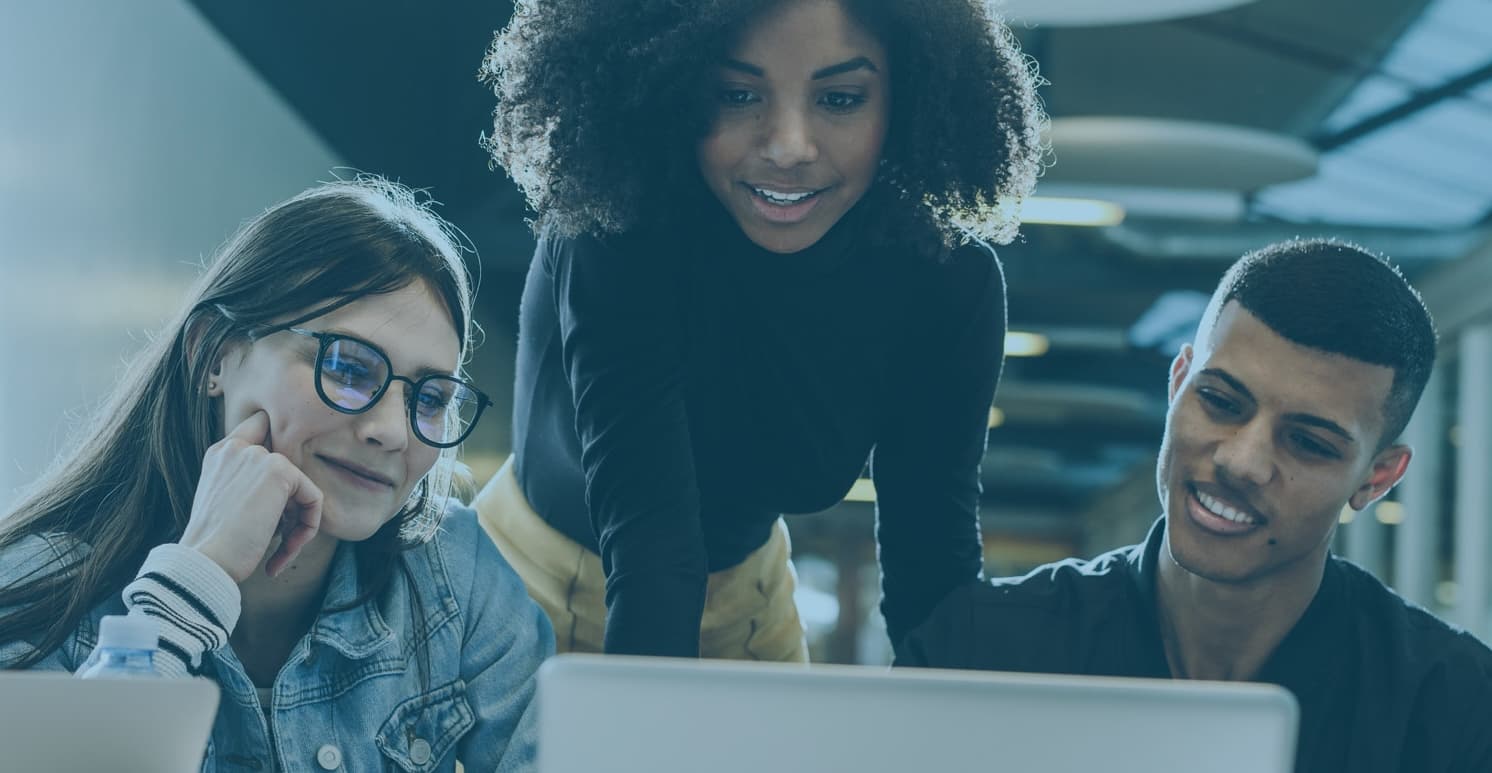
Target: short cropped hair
[1339,298]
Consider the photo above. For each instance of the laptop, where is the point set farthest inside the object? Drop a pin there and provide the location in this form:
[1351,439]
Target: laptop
[653,715]
[53,721]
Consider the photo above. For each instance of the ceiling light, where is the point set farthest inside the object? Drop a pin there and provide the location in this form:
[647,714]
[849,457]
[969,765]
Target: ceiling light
[1347,514]
[1168,153]
[1138,201]
[1023,344]
[1052,210]
[1389,513]
[1084,13]
[996,417]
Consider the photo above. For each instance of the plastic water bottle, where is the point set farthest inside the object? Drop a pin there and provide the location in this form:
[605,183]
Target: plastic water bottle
[126,648]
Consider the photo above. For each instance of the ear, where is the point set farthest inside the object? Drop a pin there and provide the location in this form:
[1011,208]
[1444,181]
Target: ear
[1387,470]
[195,332]
[1180,366]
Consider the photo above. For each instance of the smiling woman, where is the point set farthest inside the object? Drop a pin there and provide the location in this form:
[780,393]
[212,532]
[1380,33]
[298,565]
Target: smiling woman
[762,256]
[795,144]
[271,481]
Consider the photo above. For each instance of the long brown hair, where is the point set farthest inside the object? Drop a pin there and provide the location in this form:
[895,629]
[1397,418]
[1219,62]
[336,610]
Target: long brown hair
[129,482]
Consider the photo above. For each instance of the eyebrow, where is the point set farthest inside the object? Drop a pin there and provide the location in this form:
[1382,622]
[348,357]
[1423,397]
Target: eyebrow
[858,63]
[1308,419]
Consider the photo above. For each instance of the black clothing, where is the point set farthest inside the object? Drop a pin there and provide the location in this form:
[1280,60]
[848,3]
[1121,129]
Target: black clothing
[1382,684]
[676,392]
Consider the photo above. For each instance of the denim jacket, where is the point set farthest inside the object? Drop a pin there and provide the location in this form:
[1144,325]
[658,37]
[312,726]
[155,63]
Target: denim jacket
[353,695]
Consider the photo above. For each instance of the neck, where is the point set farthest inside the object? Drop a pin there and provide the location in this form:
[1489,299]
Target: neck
[1227,631]
[278,611]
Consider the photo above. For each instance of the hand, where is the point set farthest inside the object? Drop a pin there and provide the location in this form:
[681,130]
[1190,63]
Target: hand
[247,496]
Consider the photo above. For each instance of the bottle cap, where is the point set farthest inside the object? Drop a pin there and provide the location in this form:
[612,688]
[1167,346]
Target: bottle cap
[129,632]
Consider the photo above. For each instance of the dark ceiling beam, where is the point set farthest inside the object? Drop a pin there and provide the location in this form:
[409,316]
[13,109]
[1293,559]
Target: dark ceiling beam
[1283,47]
[1417,103]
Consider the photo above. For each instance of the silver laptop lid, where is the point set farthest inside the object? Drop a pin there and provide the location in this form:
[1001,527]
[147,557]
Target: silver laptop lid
[665,716]
[51,721]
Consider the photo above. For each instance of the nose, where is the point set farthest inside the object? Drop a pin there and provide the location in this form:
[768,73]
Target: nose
[788,139]
[386,424]
[1247,455]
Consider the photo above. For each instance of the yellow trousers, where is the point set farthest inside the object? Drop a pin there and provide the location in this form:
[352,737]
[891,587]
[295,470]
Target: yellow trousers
[749,610]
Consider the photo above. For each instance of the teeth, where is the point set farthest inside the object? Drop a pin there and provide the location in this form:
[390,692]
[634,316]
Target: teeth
[1216,507]
[782,198]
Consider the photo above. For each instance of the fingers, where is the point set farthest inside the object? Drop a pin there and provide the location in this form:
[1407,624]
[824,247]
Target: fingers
[299,524]
[253,430]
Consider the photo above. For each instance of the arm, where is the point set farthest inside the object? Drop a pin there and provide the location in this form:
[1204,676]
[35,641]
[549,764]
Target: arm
[506,638]
[1476,753]
[942,638]
[926,464]
[623,345]
[195,602]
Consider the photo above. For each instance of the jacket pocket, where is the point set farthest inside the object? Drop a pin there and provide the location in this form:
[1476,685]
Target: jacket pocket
[420,731]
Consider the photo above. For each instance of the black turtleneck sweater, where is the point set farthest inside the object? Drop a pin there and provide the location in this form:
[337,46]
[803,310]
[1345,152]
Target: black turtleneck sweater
[677,392]
[1383,686]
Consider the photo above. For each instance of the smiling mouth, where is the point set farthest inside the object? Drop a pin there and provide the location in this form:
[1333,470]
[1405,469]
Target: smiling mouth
[783,207]
[1221,517]
[1224,510]
[782,198]
[358,472]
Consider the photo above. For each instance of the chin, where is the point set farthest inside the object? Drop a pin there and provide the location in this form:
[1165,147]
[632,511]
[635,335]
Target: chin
[788,244]
[356,528]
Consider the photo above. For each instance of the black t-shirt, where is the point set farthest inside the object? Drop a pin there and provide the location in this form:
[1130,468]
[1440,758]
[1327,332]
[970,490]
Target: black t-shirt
[677,392]
[1383,685]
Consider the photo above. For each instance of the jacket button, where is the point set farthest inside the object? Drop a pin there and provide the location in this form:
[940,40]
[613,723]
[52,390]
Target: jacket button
[419,751]
[329,757]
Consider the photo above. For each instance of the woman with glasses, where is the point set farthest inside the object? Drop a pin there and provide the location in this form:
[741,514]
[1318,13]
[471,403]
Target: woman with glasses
[762,258]
[270,483]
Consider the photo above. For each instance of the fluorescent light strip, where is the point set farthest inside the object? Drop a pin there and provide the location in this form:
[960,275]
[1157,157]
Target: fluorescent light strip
[1053,210]
[1022,344]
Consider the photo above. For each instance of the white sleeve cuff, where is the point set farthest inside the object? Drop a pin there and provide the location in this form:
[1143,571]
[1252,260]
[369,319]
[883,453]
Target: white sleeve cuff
[196,603]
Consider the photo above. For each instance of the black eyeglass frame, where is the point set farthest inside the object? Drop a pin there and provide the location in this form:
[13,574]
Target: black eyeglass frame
[324,341]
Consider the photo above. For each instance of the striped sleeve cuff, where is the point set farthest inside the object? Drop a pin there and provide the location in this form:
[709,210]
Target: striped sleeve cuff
[194,600]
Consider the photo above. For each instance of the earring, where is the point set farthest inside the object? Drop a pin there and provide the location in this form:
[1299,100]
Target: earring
[212,386]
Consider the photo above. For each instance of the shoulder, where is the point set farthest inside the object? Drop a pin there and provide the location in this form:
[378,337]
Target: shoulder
[637,246]
[463,552]
[1444,670]
[1002,623]
[970,270]
[1422,636]
[612,270]
[1051,588]
[35,554]
[961,298]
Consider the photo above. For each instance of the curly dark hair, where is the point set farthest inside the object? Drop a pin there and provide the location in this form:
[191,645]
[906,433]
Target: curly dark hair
[600,106]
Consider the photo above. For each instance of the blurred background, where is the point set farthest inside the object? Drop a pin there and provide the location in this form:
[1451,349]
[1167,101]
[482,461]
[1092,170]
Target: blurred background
[136,136]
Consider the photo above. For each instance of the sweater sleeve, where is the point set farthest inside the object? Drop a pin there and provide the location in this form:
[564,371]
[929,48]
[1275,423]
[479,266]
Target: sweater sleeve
[926,464]
[194,600]
[623,339]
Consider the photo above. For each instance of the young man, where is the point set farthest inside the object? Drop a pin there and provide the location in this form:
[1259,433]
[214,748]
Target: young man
[1307,364]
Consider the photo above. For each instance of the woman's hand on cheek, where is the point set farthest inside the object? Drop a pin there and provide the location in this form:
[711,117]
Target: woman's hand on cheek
[248,495]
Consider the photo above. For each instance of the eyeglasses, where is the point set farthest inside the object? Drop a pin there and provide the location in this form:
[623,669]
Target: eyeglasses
[352,376]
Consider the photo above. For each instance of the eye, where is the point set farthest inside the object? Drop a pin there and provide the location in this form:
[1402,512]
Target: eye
[1313,447]
[1218,403]
[842,101]
[737,97]
[346,371]
[432,400]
